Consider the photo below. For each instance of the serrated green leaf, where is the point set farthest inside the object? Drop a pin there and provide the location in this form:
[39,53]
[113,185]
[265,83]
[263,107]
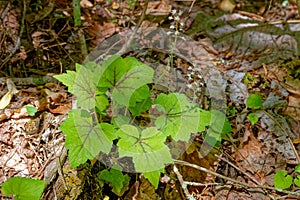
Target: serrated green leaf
[140,101]
[218,126]
[120,120]
[113,70]
[154,177]
[219,122]
[125,76]
[85,87]
[297,168]
[101,101]
[254,101]
[109,130]
[118,181]
[67,79]
[282,180]
[204,121]
[252,118]
[23,188]
[84,139]
[147,148]
[179,117]
[297,180]
[82,83]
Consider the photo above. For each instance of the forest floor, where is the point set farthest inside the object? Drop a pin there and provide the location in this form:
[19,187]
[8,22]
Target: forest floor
[254,45]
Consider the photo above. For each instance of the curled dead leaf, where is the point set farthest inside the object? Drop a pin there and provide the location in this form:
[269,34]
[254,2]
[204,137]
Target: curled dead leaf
[5,100]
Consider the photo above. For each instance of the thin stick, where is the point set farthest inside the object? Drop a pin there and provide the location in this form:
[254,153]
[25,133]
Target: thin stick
[192,6]
[183,185]
[180,162]
[242,171]
[125,47]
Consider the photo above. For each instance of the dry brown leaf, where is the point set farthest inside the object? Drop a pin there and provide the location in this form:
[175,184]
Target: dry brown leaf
[158,8]
[5,100]
[86,4]
[61,108]
[249,152]
[101,32]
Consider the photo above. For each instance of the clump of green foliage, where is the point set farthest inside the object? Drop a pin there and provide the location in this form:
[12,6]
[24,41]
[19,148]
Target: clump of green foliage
[111,99]
[293,68]
[282,180]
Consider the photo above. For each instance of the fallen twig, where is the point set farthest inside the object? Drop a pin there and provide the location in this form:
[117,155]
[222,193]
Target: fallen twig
[246,185]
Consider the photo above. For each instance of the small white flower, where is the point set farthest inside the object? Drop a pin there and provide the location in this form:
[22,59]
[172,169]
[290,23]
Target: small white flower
[180,12]
[196,84]
[190,68]
[183,38]
[176,32]
[177,18]
[172,27]
[190,78]
[201,84]
[170,17]
[181,24]
[192,73]
[190,86]
[199,76]
[174,12]
[169,32]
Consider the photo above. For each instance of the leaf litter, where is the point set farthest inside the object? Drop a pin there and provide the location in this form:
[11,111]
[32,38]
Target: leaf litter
[261,150]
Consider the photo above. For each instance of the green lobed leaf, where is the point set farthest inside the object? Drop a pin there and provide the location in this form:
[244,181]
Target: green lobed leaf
[84,139]
[119,120]
[219,122]
[252,118]
[31,110]
[146,147]
[297,168]
[140,101]
[23,188]
[179,117]
[254,101]
[297,180]
[67,79]
[154,177]
[218,126]
[85,86]
[113,70]
[125,76]
[118,181]
[82,83]
[204,121]
[101,101]
[282,180]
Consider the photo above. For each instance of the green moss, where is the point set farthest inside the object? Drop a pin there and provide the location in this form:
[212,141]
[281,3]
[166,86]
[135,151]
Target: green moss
[293,68]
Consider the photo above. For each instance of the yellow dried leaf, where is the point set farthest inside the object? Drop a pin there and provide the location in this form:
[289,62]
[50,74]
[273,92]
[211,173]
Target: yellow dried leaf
[5,100]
